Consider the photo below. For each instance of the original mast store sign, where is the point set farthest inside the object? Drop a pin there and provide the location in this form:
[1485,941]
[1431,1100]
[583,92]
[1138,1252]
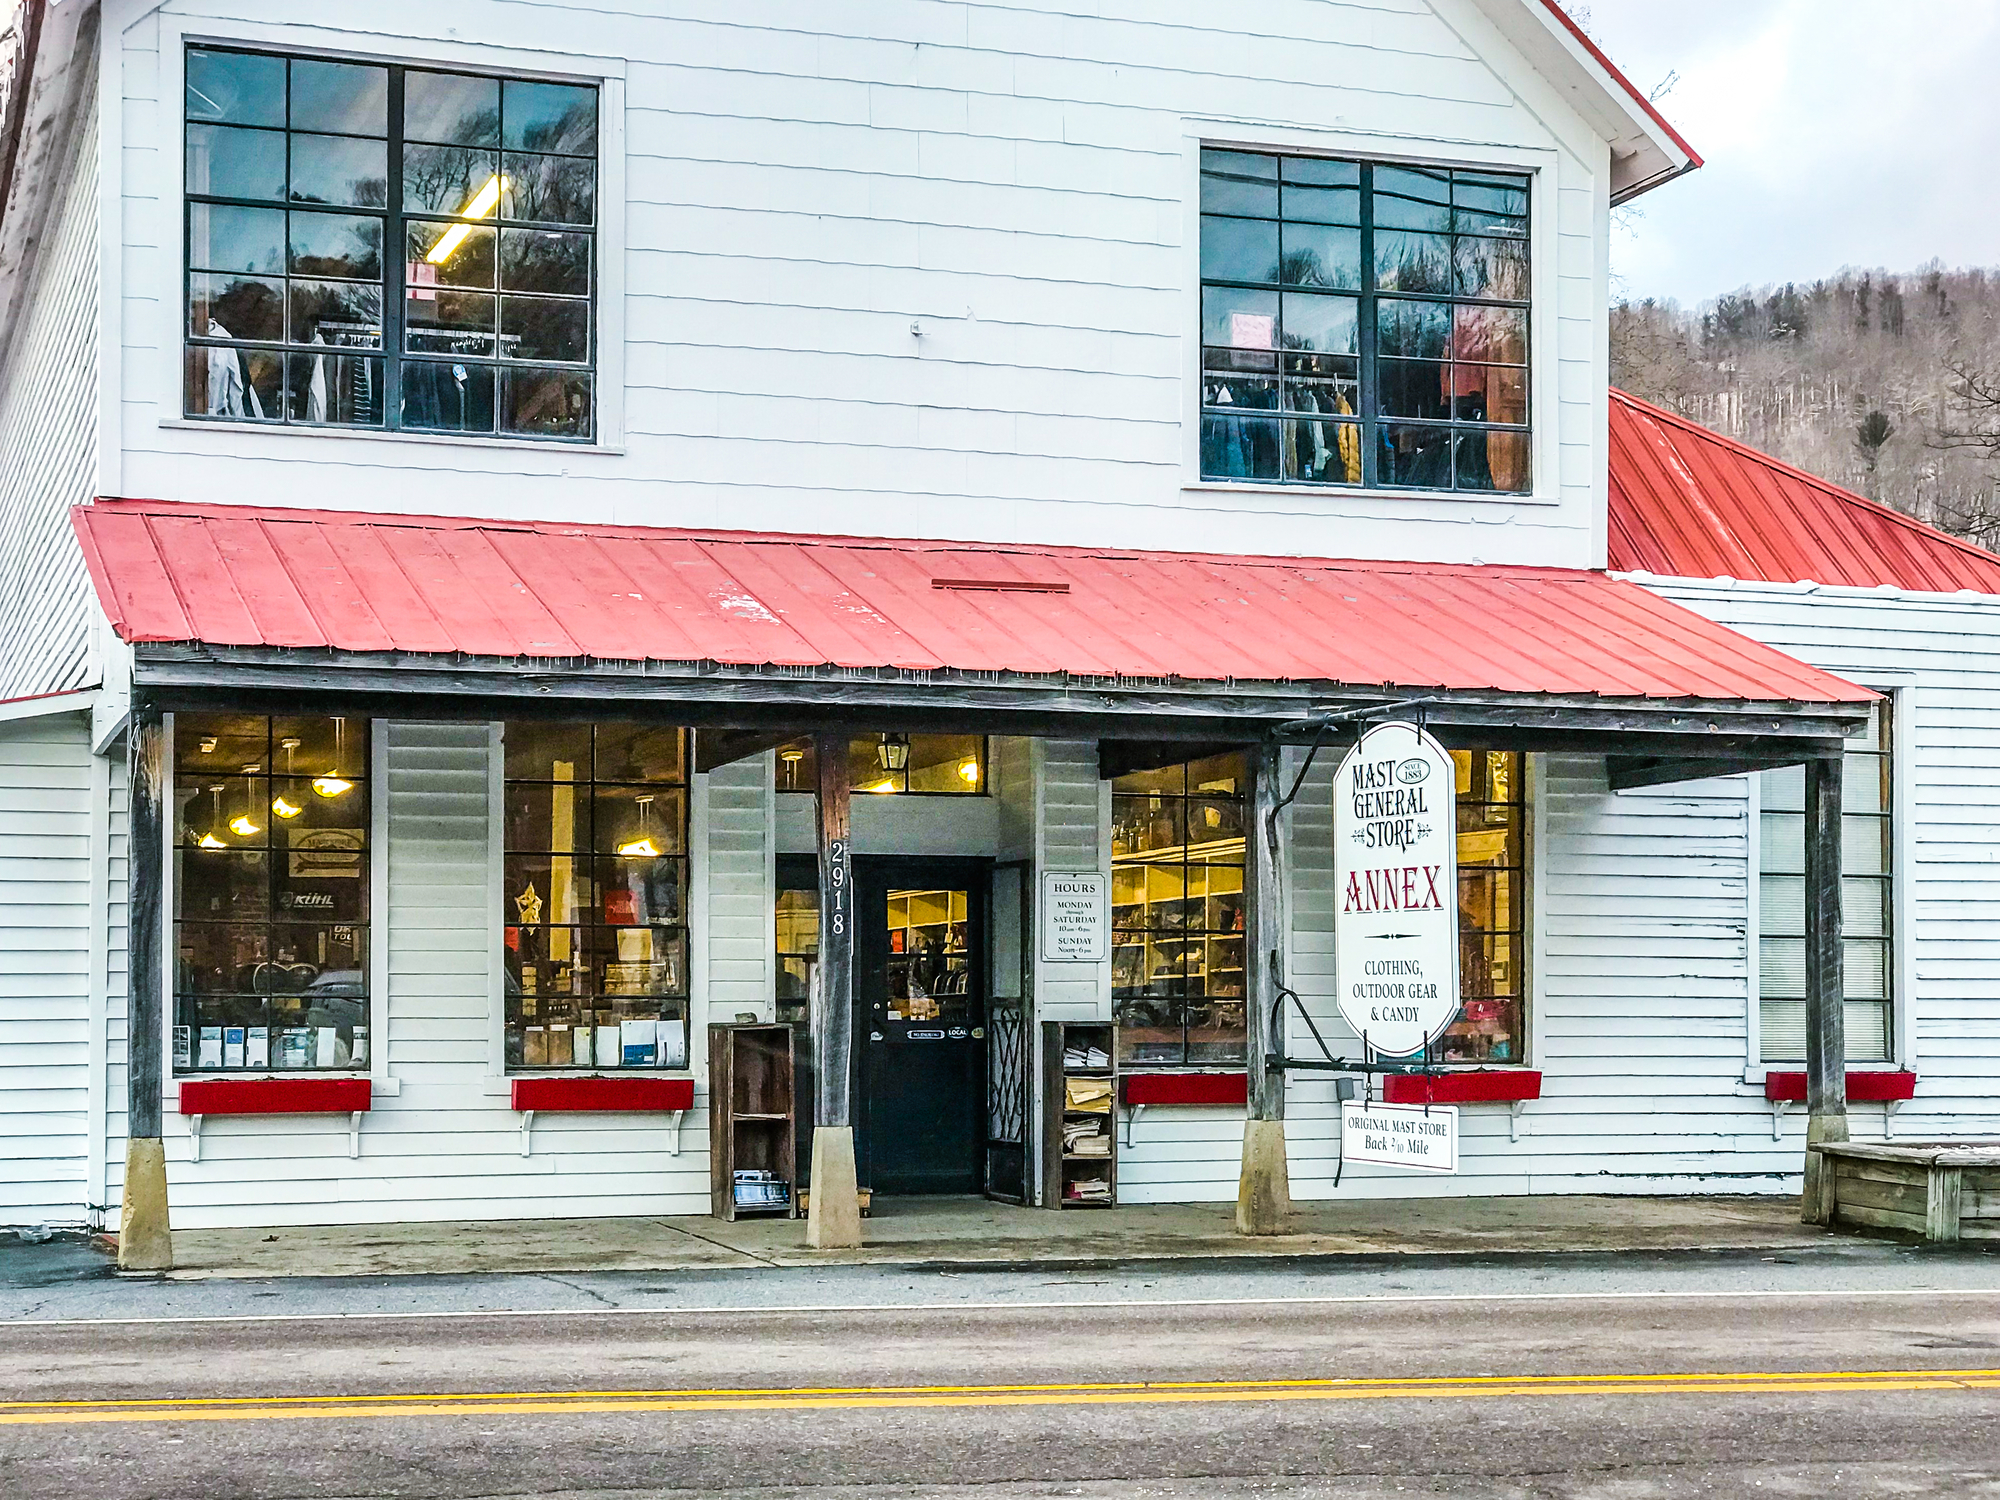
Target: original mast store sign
[1395,862]
[1076,918]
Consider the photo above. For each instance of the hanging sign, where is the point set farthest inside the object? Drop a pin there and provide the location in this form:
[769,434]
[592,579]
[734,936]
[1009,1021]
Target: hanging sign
[1400,1135]
[1076,918]
[1395,865]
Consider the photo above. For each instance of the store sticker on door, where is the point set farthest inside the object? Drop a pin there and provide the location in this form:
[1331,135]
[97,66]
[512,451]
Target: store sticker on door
[1400,1135]
[1076,918]
[1395,865]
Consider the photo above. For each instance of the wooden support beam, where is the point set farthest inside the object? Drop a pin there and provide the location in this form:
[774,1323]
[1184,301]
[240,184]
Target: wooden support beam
[144,1243]
[1263,1191]
[714,748]
[1117,758]
[834,1216]
[1628,773]
[1826,1044]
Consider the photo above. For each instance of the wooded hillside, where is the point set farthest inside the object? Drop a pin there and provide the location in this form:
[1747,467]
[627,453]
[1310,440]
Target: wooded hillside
[1888,384]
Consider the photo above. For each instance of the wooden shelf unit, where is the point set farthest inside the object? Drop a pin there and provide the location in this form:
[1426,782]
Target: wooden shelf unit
[1062,1169]
[752,1114]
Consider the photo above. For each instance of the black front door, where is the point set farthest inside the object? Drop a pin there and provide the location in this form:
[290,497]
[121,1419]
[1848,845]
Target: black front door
[920,970]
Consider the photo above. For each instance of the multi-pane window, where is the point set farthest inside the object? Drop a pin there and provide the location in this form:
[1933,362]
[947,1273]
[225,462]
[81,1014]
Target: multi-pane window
[595,905]
[1492,909]
[1177,914]
[926,764]
[374,246]
[270,893]
[1364,324]
[1867,871]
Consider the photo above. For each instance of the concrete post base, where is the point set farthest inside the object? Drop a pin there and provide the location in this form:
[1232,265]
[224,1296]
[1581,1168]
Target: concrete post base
[143,1241]
[833,1216]
[1816,1203]
[1264,1191]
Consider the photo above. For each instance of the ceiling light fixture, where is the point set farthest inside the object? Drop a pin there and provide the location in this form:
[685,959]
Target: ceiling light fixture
[643,846]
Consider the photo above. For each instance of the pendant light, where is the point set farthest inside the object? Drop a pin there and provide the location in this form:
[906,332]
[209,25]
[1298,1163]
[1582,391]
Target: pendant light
[790,757]
[333,784]
[643,846]
[243,825]
[894,752]
[968,770]
[209,840]
[279,805]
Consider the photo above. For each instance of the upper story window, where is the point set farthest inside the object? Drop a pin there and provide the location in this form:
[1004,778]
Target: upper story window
[1363,324]
[1867,907]
[389,247]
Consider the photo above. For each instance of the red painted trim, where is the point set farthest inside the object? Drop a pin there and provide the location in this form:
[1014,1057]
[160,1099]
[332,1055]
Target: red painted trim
[1185,1088]
[1869,1086]
[276,1096]
[623,1094]
[1652,113]
[1474,1086]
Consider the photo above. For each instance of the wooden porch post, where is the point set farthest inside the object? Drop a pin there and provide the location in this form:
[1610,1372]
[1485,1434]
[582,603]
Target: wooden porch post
[143,1241]
[1263,1190]
[1826,1043]
[833,1220]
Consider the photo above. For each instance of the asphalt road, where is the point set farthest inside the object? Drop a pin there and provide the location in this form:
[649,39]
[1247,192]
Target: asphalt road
[1865,1370]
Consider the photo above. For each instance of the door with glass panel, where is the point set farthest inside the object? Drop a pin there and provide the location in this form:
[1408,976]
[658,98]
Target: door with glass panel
[920,972]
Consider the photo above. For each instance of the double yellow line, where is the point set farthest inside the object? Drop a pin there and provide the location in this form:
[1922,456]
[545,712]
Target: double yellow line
[790,1398]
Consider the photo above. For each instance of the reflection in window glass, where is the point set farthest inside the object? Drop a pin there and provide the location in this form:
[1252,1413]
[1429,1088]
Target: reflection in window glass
[595,902]
[1867,877]
[923,764]
[1363,324]
[1492,909]
[1177,914]
[271,893]
[290,168]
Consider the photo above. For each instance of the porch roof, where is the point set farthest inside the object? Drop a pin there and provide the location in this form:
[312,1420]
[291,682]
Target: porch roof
[249,582]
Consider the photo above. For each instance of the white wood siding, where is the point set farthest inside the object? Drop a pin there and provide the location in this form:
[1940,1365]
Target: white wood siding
[804,183]
[48,449]
[45,1045]
[1945,650]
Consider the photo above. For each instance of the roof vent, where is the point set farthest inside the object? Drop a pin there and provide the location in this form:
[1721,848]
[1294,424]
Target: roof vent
[999,586]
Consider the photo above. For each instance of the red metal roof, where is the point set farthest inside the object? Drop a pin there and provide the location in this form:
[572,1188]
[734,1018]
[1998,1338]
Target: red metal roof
[1690,503]
[242,576]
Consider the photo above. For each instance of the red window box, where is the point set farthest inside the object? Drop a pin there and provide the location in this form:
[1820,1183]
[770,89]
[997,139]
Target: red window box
[664,1095]
[1872,1086]
[1185,1088]
[276,1096]
[1471,1086]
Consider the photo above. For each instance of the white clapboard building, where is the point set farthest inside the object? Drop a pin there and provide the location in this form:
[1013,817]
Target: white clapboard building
[606,611]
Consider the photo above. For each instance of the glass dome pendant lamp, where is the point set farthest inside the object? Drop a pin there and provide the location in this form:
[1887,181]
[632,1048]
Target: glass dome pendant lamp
[333,784]
[279,805]
[209,840]
[643,847]
[243,825]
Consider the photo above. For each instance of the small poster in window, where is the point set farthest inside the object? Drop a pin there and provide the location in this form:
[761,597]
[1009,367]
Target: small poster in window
[295,1047]
[673,1045]
[609,1044]
[183,1046]
[232,1046]
[257,1047]
[325,853]
[211,1047]
[327,1053]
[641,1043]
[360,1058]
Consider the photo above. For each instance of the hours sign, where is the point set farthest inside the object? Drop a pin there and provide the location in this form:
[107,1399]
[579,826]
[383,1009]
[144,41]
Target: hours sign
[1395,863]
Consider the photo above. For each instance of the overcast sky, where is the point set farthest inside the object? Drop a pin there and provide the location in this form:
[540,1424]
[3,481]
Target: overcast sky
[1835,132]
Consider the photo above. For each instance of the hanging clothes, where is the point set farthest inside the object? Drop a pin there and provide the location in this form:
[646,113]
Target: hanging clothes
[230,393]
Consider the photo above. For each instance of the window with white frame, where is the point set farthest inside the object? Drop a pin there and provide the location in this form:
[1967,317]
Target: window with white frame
[1364,323]
[374,246]
[1867,909]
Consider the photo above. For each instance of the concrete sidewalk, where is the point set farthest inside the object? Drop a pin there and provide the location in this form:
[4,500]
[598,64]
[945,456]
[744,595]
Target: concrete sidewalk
[971,1232]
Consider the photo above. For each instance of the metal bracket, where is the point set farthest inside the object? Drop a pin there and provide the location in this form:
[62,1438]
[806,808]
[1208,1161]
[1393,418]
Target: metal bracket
[1132,1113]
[527,1131]
[194,1137]
[1778,1108]
[674,1133]
[354,1132]
[1889,1109]
[1515,1109]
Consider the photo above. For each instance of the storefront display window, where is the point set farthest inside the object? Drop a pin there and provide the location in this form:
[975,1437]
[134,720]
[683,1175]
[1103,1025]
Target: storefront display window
[920,764]
[373,246]
[271,893]
[1867,875]
[1177,912]
[1492,909]
[595,905]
